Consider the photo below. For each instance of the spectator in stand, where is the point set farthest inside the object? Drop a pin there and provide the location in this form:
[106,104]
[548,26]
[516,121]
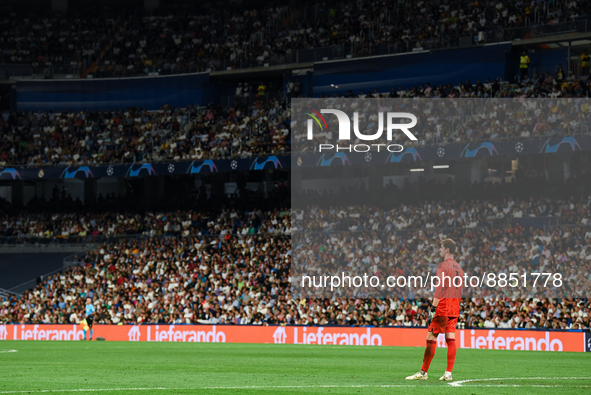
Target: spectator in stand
[262,90]
[559,75]
[585,63]
[239,92]
[524,64]
[289,88]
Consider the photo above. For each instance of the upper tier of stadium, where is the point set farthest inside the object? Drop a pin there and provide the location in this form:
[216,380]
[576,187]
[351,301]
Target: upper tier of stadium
[191,39]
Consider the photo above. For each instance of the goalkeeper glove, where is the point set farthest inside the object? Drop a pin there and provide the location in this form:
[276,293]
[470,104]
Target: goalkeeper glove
[431,315]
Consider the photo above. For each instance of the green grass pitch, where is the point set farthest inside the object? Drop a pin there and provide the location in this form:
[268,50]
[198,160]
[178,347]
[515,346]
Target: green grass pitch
[120,368]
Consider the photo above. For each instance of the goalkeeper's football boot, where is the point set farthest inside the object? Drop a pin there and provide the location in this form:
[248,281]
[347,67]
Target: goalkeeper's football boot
[420,375]
[446,376]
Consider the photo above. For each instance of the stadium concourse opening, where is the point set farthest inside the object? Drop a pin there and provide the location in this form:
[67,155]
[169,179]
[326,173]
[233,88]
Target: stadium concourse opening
[234,193]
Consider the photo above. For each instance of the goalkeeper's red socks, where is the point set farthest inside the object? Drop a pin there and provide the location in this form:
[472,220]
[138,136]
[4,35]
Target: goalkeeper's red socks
[451,353]
[429,354]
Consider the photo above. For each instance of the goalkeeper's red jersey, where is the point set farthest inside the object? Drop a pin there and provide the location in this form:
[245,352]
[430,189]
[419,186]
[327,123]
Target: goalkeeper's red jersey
[449,293]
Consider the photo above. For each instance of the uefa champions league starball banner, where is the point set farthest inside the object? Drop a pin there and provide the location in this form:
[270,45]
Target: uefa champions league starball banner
[443,151]
[346,245]
[145,169]
[492,339]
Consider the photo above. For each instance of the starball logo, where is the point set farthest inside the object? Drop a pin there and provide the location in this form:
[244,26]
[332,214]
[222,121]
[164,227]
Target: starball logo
[345,130]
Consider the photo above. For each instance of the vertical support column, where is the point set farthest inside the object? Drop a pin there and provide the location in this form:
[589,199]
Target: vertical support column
[475,171]
[568,60]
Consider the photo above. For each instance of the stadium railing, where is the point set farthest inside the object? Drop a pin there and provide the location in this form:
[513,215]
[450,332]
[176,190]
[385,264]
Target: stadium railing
[17,246]
[8,70]
[5,293]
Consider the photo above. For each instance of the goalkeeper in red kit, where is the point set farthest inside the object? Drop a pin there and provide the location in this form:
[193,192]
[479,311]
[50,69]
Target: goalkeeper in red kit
[445,311]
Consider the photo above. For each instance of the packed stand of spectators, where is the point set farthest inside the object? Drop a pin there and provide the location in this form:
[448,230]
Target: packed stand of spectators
[193,39]
[65,44]
[136,135]
[426,215]
[458,121]
[234,268]
[242,280]
[185,223]
[561,251]
[450,214]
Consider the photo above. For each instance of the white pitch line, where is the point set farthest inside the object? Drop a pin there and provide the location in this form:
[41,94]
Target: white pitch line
[205,388]
[461,382]
[3,351]
[309,386]
[525,385]
[89,390]
[453,384]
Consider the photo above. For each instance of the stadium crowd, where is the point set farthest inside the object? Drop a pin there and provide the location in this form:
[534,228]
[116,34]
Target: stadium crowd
[189,42]
[136,135]
[184,223]
[451,121]
[190,39]
[234,267]
[428,215]
[70,44]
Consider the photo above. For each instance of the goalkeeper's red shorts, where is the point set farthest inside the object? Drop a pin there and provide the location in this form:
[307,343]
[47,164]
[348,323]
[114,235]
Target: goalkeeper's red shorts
[442,324]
